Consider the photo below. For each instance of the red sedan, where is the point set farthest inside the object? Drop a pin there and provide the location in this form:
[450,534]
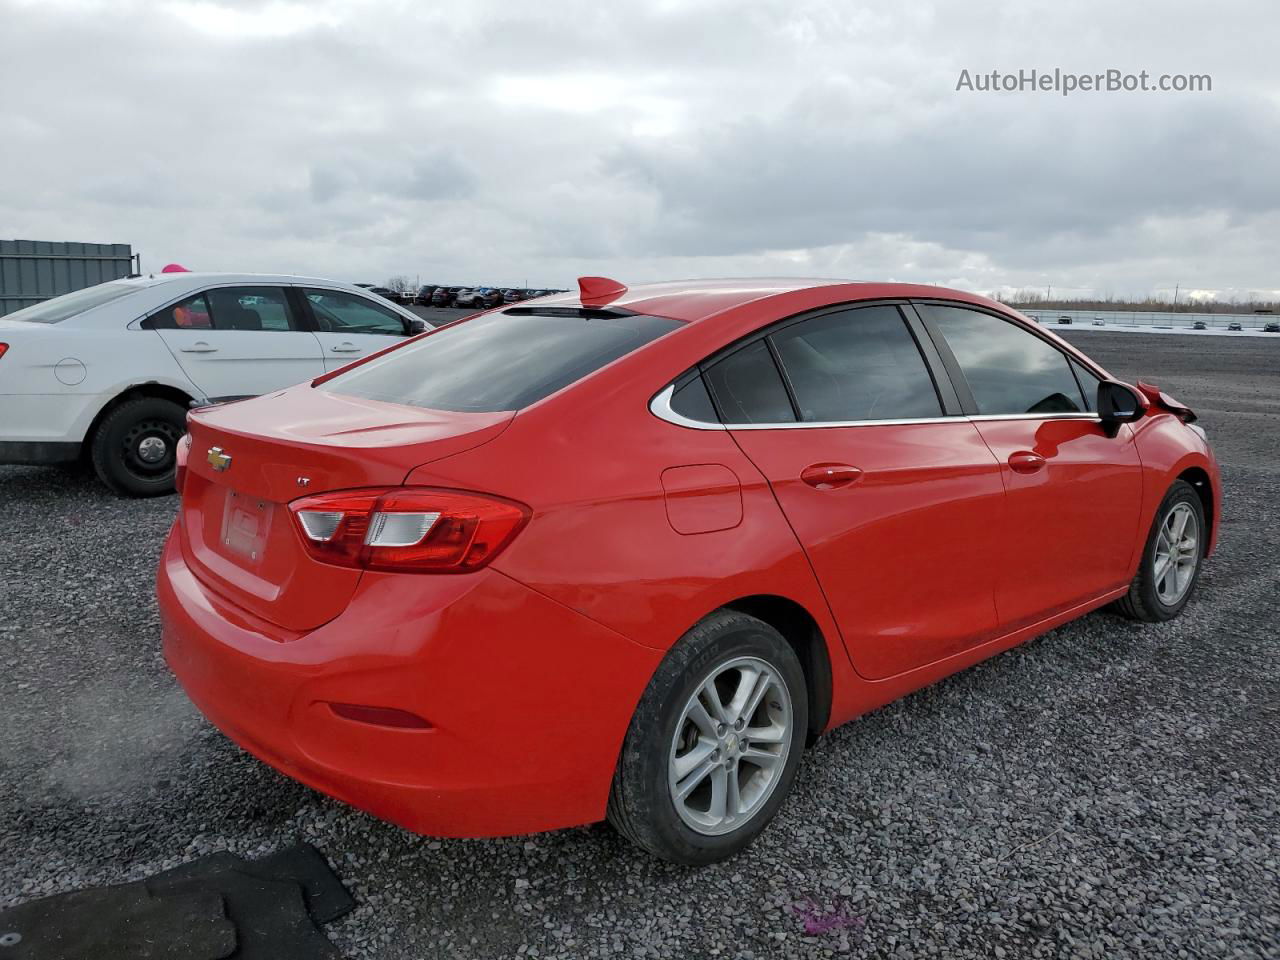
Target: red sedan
[626,553]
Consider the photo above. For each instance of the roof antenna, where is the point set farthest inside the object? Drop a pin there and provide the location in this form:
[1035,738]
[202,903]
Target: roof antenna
[597,291]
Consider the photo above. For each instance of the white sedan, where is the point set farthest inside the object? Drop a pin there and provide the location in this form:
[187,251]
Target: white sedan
[109,372]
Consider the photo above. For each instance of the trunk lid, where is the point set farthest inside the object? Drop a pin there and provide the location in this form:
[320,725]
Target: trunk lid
[239,537]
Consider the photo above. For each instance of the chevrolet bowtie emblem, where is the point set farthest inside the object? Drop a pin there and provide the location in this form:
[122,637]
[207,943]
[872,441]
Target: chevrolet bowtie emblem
[217,459]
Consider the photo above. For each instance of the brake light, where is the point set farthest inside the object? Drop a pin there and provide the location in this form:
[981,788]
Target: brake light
[3,348]
[407,529]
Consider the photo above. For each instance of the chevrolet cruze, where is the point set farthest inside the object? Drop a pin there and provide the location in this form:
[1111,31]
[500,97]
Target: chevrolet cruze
[623,554]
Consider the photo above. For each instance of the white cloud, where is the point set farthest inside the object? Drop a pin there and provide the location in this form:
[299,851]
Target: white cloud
[484,140]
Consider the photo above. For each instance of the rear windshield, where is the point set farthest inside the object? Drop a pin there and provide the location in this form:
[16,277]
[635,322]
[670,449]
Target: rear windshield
[70,304]
[498,361]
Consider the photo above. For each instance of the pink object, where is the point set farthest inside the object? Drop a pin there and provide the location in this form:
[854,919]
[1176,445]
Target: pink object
[174,268]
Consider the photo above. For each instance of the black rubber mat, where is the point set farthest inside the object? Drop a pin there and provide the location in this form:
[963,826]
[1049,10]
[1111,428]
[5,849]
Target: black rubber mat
[123,921]
[219,907]
[325,896]
[270,916]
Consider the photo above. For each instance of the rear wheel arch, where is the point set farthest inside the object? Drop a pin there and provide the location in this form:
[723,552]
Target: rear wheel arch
[138,391]
[802,633]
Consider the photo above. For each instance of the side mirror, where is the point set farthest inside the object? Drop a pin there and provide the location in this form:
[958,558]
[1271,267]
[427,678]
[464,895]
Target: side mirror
[417,326]
[1119,403]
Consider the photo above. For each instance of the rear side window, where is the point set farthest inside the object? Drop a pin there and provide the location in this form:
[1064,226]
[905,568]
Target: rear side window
[748,387]
[1008,369]
[71,304]
[860,364]
[228,308]
[693,401]
[190,314]
[499,361]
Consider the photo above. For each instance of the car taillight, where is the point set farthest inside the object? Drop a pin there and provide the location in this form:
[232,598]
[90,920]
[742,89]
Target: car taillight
[408,529]
[180,462]
[3,349]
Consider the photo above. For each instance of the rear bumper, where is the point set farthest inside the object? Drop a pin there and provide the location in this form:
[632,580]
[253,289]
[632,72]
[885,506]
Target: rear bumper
[528,701]
[38,452]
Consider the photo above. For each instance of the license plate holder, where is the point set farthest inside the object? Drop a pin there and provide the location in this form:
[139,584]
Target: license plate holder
[246,523]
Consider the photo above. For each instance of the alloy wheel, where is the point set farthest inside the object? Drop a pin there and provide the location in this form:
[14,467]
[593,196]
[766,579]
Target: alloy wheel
[730,746]
[1177,553]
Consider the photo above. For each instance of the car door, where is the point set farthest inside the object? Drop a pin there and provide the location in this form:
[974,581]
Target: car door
[1073,493]
[238,340]
[349,326]
[891,495]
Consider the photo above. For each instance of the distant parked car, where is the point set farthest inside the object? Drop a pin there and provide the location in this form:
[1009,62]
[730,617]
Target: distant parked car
[467,297]
[423,296]
[490,297]
[514,295]
[1234,325]
[443,296]
[1064,319]
[1099,322]
[1199,325]
[1271,328]
[107,374]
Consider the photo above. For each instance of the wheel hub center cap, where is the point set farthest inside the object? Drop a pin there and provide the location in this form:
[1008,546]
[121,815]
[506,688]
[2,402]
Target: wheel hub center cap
[731,742]
[151,449]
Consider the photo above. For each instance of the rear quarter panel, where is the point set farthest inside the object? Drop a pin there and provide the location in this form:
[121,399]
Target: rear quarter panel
[56,378]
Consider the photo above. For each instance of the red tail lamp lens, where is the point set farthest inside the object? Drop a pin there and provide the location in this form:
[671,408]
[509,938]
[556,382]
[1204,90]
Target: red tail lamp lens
[407,529]
[3,349]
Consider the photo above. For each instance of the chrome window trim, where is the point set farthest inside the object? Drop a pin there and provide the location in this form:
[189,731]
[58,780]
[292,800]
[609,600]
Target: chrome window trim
[985,417]
[660,407]
[819,424]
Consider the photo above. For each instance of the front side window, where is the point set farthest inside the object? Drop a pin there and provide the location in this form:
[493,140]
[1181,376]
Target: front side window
[860,364]
[1089,385]
[339,312]
[1009,370]
[498,361]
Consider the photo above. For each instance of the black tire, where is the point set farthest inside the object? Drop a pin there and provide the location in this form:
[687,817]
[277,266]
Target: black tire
[1143,601]
[117,442]
[640,804]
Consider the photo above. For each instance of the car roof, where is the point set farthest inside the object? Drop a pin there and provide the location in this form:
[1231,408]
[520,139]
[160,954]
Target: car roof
[691,300]
[195,276]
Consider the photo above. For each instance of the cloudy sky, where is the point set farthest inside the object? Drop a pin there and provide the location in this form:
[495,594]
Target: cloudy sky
[510,142]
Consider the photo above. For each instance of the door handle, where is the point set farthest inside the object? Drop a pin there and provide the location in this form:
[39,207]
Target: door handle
[199,347]
[345,347]
[1024,461]
[829,476]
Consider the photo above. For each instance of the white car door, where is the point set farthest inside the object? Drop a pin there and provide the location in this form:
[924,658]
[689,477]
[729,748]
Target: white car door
[350,326]
[239,341]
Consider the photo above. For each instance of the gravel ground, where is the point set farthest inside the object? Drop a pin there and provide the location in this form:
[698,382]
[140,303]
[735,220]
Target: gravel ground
[1106,790]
